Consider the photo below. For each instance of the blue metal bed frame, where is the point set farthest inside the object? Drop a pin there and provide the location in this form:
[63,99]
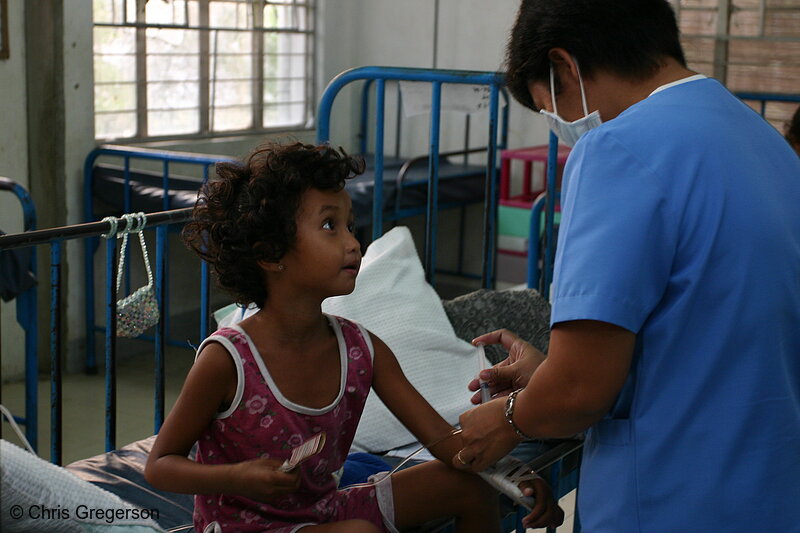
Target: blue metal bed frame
[55,238]
[27,319]
[540,278]
[127,155]
[379,76]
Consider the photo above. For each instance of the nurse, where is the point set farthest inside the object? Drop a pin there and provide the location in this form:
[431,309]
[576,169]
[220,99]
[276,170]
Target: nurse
[676,295]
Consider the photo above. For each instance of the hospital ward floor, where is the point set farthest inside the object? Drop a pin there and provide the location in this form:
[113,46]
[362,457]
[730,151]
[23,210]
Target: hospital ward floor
[84,418]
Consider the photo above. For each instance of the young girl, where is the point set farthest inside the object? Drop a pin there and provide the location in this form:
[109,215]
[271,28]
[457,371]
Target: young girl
[278,231]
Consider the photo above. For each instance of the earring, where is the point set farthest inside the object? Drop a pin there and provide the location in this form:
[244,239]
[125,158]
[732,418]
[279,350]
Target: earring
[281,267]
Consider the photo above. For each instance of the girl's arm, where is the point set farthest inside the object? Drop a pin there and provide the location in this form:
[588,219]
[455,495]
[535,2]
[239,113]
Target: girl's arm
[209,386]
[408,405]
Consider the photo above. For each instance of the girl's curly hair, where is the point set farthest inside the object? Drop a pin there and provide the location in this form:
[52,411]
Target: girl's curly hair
[248,213]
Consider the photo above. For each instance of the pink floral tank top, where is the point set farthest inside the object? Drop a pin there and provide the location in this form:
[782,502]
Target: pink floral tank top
[261,422]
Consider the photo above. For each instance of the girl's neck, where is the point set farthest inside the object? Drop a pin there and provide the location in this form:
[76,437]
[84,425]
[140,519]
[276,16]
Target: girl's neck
[292,319]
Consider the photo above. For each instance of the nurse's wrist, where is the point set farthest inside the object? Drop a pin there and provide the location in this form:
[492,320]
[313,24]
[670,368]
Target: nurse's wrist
[511,403]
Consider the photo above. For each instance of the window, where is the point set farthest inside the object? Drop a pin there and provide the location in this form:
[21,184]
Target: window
[171,68]
[749,45]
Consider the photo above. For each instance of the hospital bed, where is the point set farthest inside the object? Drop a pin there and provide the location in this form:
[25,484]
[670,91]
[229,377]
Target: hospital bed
[120,468]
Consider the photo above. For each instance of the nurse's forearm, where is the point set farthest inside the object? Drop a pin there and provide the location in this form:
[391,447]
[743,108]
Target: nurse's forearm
[577,384]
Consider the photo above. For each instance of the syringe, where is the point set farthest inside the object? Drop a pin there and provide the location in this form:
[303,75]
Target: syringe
[485,394]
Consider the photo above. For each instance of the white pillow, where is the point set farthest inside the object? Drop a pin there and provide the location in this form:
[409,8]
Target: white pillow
[40,496]
[393,301]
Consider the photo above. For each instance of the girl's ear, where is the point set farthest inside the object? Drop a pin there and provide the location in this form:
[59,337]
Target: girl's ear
[271,266]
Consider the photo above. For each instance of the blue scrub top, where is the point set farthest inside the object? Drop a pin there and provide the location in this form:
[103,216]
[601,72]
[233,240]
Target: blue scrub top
[681,223]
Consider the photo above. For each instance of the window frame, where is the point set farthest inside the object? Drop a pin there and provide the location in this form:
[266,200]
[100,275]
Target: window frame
[205,108]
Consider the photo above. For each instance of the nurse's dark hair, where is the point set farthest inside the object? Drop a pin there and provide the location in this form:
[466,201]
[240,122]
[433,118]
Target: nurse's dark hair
[627,37]
[247,213]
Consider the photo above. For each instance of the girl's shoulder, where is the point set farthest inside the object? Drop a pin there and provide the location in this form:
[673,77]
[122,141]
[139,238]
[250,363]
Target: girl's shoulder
[234,340]
[355,334]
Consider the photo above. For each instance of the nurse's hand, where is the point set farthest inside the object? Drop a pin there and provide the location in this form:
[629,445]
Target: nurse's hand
[512,373]
[486,436]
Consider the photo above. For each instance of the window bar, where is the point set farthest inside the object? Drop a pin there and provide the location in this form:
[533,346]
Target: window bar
[257,62]
[377,194]
[204,66]
[111,342]
[56,403]
[433,182]
[310,54]
[141,70]
[213,95]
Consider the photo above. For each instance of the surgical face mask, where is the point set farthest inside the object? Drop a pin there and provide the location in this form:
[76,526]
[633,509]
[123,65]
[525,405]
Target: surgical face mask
[570,132]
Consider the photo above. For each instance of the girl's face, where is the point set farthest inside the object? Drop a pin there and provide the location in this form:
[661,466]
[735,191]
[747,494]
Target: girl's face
[326,256]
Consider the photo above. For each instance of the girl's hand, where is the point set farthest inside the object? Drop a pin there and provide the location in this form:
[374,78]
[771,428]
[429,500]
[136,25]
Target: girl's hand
[513,372]
[485,437]
[546,512]
[260,480]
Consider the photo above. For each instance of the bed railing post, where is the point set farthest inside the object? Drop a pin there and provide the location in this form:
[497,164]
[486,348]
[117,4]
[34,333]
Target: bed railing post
[27,310]
[534,231]
[205,300]
[111,343]
[161,329]
[550,208]
[56,411]
[126,205]
[433,182]
[490,199]
[205,287]
[377,196]
[89,246]
[363,122]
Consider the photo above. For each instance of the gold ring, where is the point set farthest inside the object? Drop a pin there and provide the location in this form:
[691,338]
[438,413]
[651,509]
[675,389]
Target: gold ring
[460,460]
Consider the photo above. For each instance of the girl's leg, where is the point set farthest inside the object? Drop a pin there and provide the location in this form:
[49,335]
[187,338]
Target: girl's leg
[346,526]
[434,490]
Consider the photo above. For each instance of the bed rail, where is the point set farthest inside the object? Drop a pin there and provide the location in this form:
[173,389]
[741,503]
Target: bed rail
[27,319]
[379,76]
[55,238]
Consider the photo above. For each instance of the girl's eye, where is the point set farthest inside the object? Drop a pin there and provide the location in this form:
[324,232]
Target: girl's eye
[351,227]
[328,225]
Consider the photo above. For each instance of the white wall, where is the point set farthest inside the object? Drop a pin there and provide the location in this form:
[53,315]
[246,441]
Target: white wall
[471,36]
[13,165]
